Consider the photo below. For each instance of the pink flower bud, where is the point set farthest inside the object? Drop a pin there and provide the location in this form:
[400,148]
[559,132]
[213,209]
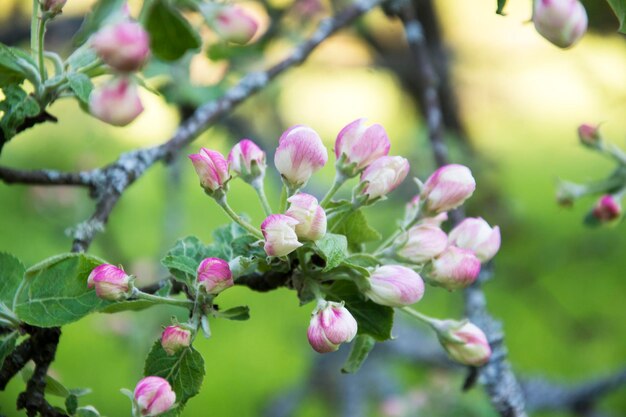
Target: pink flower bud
[464,342]
[214,275]
[53,6]
[422,243]
[247,160]
[361,144]
[280,235]
[607,209]
[300,154]
[589,135]
[310,215]
[212,169]
[384,175]
[395,286]
[116,102]
[448,187]
[455,268]
[175,338]
[154,396]
[562,22]
[111,282]
[124,46]
[331,325]
[235,25]
[476,235]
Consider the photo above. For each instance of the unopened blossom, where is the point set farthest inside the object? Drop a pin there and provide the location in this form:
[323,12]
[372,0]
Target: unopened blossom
[421,243]
[234,24]
[53,6]
[455,268]
[607,209]
[247,160]
[447,188]
[300,154]
[214,275]
[153,396]
[212,169]
[475,234]
[384,175]
[589,135]
[124,46]
[111,282]
[360,144]
[395,286]
[464,342]
[279,231]
[116,102]
[562,22]
[331,325]
[175,338]
[310,215]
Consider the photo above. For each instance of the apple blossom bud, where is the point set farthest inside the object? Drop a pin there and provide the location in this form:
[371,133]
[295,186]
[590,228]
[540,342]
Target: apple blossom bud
[175,338]
[447,188]
[247,160]
[383,176]
[607,209]
[589,135]
[235,25]
[476,235]
[299,155]
[280,235]
[455,268]
[124,46]
[53,6]
[117,102]
[214,275]
[310,215]
[212,169]
[464,342]
[153,396]
[331,325]
[360,145]
[562,22]
[421,243]
[395,286]
[111,282]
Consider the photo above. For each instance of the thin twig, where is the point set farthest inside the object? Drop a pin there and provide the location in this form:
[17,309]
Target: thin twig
[45,177]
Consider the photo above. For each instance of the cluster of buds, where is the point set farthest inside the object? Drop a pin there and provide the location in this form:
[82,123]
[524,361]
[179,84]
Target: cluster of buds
[233,24]
[153,396]
[562,22]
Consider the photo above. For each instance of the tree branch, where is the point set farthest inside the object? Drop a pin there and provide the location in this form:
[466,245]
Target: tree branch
[45,177]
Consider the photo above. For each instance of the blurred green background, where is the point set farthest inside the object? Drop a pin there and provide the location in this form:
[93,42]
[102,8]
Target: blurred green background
[559,287]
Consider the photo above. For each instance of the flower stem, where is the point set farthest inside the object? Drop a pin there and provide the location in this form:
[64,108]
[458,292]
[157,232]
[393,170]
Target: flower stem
[421,317]
[241,222]
[41,32]
[162,300]
[340,179]
[260,190]
[283,199]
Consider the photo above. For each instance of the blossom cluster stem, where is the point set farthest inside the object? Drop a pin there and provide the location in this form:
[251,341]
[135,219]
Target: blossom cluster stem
[162,300]
[340,179]
[237,219]
[421,317]
[260,190]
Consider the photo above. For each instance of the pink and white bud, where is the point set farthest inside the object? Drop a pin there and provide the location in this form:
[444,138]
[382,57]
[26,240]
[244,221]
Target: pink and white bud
[175,339]
[124,46]
[455,268]
[280,235]
[153,396]
[476,235]
[117,102]
[607,209]
[212,169]
[247,160]
[300,154]
[234,24]
[395,286]
[384,175]
[53,6]
[562,22]
[214,275]
[331,325]
[464,342]
[448,187]
[111,282]
[589,135]
[422,243]
[361,145]
[310,215]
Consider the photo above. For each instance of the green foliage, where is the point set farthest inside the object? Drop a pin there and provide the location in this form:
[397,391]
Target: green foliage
[500,7]
[7,344]
[87,412]
[333,249]
[81,85]
[11,274]
[240,313]
[183,259]
[17,107]
[12,65]
[619,7]
[71,404]
[357,230]
[170,33]
[361,348]
[101,10]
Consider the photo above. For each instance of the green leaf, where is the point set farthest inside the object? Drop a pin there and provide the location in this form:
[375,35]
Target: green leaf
[185,257]
[81,58]
[11,274]
[99,13]
[171,35]
[333,249]
[12,65]
[87,411]
[53,386]
[619,8]
[500,7]
[361,348]
[81,85]
[132,305]
[54,292]
[71,404]
[17,106]
[357,230]
[7,344]
[240,313]
[373,319]
[184,370]
[363,260]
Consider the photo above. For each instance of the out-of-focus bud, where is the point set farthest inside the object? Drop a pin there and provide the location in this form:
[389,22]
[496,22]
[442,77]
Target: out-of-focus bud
[448,188]
[455,268]
[153,396]
[111,282]
[383,176]
[476,235]
[116,102]
[300,154]
[212,169]
[234,24]
[310,215]
[589,135]
[562,22]
[395,286]
[247,160]
[331,325]
[214,275]
[607,210]
[124,46]
[53,6]
[175,338]
[464,342]
[568,192]
[358,145]
[421,243]
[280,235]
